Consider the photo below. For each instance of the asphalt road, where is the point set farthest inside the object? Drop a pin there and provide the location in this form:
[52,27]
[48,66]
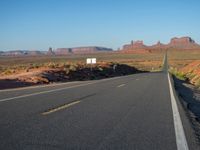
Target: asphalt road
[132,112]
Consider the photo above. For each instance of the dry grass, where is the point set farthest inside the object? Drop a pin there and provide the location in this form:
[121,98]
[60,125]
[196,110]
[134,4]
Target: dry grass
[14,65]
[186,65]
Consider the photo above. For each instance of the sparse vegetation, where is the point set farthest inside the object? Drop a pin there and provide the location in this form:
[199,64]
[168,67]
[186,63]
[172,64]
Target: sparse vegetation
[144,62]
[177,74]
[40,70]
[186,65]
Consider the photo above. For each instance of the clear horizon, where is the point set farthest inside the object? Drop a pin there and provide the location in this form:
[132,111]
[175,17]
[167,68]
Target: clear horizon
[38,25]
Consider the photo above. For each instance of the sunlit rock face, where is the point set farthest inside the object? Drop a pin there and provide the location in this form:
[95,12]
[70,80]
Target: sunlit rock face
[182,40]
[183,43]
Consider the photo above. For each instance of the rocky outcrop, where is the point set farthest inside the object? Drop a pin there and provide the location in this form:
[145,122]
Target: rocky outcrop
[50,51]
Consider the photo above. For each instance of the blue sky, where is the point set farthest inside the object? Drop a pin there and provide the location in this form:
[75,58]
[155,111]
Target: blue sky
[39,24]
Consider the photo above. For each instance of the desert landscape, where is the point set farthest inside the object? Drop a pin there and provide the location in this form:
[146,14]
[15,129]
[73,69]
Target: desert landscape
[99,75]
[34,68]
[24,68]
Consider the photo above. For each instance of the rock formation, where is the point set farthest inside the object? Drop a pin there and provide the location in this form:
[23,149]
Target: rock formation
[183,40]
[50,51]
[183,43]
[135,46]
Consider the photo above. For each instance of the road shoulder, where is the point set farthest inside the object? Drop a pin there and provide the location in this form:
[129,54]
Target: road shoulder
[187,117]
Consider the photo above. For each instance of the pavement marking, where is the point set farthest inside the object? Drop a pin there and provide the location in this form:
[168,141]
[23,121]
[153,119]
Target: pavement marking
[137,79]
[181,141]
[121,85]
[60,108]
[55,90]
[43,92]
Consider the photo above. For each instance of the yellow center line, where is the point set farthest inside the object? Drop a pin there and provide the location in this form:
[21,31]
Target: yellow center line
[60,108]
[121,85]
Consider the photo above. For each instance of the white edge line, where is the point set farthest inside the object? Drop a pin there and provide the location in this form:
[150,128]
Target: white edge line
[181,141]
[54,90]
[43,92]
[38,86]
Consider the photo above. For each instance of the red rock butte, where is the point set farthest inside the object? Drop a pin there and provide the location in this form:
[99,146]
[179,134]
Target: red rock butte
[183,43]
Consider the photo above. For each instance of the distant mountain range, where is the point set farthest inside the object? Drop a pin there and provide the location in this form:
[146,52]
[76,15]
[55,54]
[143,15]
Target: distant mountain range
[183,43]
[21,52]
[58,51]
[78,50]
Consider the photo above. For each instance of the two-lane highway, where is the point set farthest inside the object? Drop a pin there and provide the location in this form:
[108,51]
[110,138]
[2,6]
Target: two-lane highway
[131,112]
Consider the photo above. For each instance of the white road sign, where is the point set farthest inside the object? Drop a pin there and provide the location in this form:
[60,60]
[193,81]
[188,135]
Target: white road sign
[91,60]
[94,60]
[88,60]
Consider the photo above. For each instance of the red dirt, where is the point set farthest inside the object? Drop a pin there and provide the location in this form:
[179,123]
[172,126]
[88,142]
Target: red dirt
[192,71]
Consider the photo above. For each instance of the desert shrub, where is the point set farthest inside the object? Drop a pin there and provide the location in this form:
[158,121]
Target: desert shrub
[66,70]
[35,65]
[178,74]
[8,71]
[190,75]
[198,84]
[52,65]
[73,68]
